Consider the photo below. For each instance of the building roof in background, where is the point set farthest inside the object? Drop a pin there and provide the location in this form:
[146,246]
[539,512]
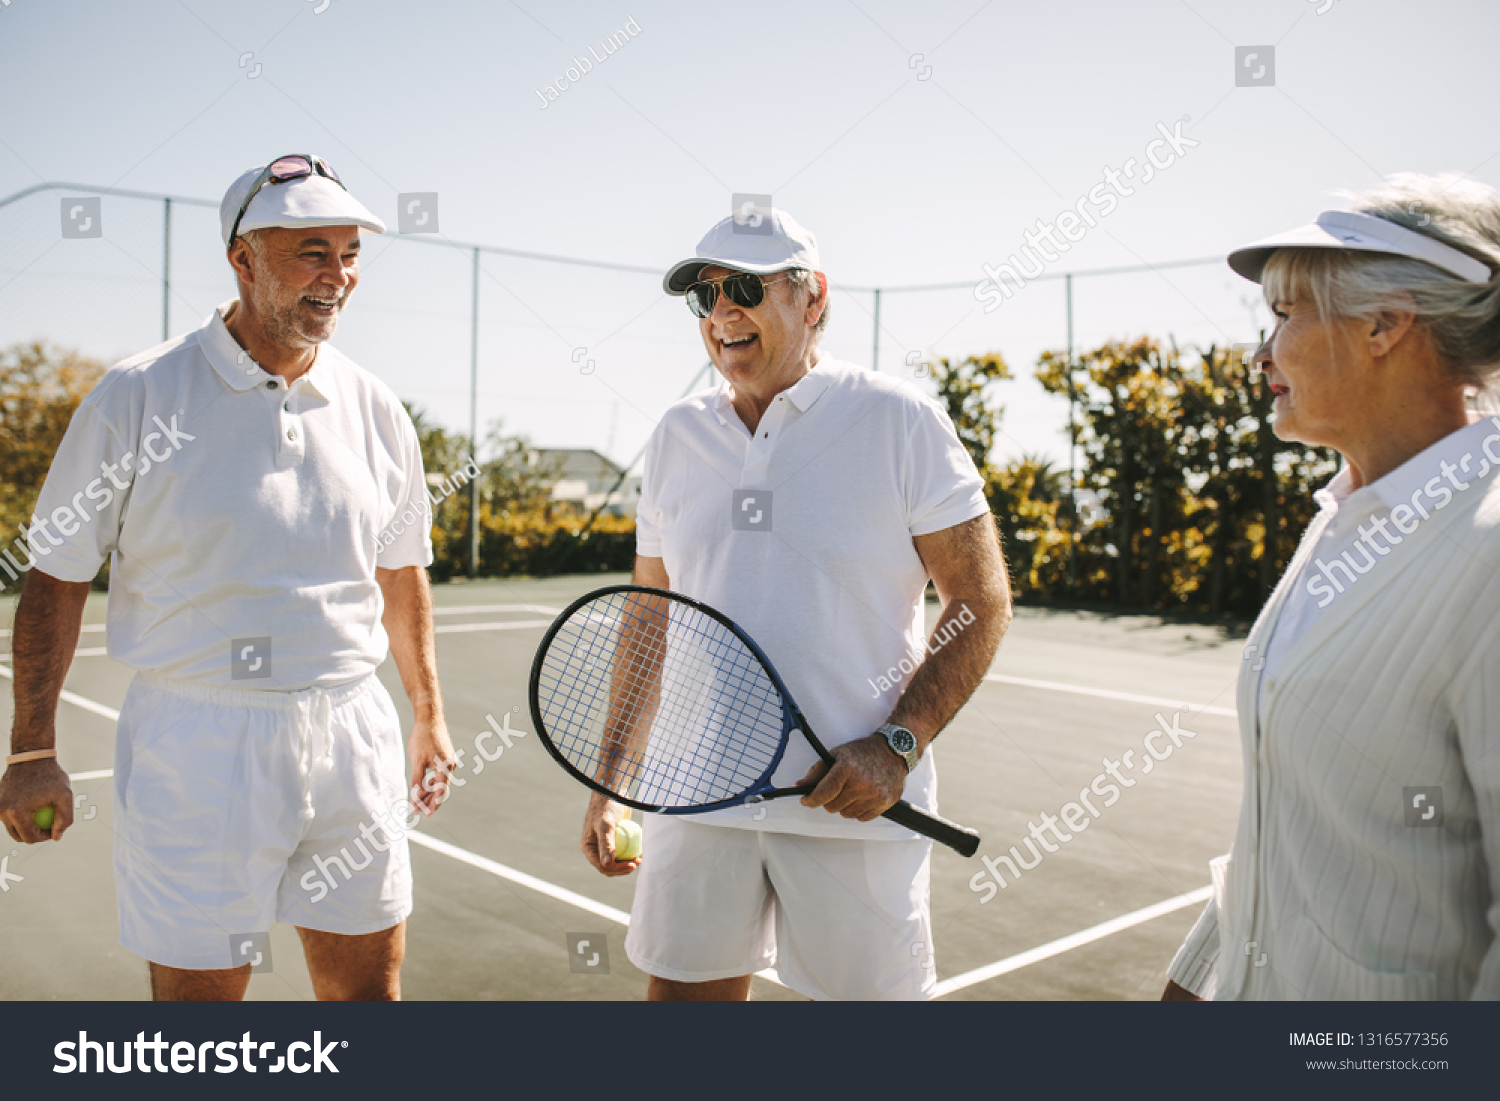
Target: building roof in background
[578,462]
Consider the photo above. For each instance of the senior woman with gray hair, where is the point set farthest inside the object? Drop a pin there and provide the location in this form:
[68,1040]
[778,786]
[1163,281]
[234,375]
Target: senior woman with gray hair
[1366,863]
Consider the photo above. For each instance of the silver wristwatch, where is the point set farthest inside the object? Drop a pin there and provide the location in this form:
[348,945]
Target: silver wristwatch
[903,743]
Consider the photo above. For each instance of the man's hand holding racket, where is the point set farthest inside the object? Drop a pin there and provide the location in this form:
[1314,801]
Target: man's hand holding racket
[657,701]
[865,780]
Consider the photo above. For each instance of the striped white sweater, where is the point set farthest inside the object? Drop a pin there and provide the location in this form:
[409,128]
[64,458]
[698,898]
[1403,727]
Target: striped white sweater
[1328,892]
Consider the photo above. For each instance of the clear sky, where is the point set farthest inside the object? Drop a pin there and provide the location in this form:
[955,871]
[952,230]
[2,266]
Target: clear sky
[909,169]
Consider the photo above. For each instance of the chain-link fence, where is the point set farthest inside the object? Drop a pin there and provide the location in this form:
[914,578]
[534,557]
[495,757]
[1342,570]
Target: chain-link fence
[569,350]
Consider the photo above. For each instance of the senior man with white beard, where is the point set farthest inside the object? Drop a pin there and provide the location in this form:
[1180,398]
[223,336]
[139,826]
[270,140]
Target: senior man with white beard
[242,480]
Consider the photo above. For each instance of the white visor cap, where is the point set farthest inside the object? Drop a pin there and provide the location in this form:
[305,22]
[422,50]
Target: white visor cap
[775,244]
[311,201]
[1350,229]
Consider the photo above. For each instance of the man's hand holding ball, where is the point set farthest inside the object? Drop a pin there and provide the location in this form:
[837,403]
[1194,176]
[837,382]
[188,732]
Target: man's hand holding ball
[36,801]
[611,841]
[628,840]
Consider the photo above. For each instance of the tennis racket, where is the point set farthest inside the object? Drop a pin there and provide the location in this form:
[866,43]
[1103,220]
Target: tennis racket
[661,703]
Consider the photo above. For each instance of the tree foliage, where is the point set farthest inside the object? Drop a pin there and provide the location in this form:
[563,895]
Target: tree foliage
[41,387]
[963,389]
[1203,506]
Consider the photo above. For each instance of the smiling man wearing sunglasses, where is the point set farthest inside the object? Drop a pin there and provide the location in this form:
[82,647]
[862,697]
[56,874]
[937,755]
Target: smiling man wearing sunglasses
[244,480]
[810,500]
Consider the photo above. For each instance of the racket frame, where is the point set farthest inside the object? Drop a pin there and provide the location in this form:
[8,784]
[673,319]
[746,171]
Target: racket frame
[791,715]
[959,838]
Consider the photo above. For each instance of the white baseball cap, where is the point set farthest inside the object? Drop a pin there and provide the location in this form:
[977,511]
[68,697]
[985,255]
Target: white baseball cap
[311,201]
[1352,229]
[775,242]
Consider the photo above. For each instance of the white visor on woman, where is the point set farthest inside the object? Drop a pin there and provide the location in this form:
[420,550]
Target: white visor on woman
[1349,229]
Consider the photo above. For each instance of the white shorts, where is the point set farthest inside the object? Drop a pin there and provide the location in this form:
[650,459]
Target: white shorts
[235,810]
[838,919]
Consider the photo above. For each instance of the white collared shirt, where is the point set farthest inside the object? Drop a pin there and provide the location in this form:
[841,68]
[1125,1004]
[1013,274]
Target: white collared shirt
[237,512]
[1362,526]
[802,535]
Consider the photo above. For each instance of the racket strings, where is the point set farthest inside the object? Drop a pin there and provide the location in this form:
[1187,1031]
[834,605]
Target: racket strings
[658,701]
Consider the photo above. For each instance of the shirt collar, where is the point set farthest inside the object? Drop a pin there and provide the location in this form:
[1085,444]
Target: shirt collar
[803,393]
[809,388]
[234,364]
[1332,495]
[1408,479]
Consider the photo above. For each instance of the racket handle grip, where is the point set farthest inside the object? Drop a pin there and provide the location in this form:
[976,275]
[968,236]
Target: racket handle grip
[960,839]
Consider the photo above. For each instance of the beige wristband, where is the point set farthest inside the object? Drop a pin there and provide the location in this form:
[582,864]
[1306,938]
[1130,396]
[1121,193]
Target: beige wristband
[31,755]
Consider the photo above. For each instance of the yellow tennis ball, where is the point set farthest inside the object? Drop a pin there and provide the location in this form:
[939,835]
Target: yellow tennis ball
[628,839]
[43,818]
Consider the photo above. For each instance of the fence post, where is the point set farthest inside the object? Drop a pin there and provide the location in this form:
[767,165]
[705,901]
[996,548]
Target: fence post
[474,419]
[1072,446]
[875,351]
[166,269]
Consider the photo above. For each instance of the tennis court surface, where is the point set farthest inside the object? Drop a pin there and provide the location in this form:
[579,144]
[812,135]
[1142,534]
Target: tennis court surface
[503,896]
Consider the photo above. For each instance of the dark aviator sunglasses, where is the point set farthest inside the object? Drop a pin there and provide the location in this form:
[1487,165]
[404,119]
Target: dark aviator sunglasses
[745,289]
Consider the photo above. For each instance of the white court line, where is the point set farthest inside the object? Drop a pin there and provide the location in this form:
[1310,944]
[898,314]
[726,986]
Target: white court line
[541,886]
[77,700]
[1067,944]
[609,913]
[510,625]
[1104,693]
[944,988]
[465,609]
[86,627]
[88,652]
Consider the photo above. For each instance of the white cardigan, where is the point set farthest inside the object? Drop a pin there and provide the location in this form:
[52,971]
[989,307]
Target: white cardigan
[1328,893]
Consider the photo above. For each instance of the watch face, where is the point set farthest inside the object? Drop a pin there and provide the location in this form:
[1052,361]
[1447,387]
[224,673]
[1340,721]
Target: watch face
[903,741]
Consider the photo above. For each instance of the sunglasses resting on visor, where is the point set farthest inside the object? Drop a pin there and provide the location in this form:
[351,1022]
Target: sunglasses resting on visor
[294,166]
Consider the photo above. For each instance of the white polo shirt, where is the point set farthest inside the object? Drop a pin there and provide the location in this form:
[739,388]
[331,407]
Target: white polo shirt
[236,509]
[803,536]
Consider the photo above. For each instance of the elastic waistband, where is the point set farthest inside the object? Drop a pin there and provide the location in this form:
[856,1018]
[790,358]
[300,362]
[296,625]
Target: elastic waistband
[239,697]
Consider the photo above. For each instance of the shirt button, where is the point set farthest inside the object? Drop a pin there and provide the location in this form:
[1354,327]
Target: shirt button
[291,433]
[270,386]
[287,407]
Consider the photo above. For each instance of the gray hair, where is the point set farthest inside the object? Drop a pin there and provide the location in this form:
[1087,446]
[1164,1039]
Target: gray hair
[801,278]
[1462,319]
[252,237]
